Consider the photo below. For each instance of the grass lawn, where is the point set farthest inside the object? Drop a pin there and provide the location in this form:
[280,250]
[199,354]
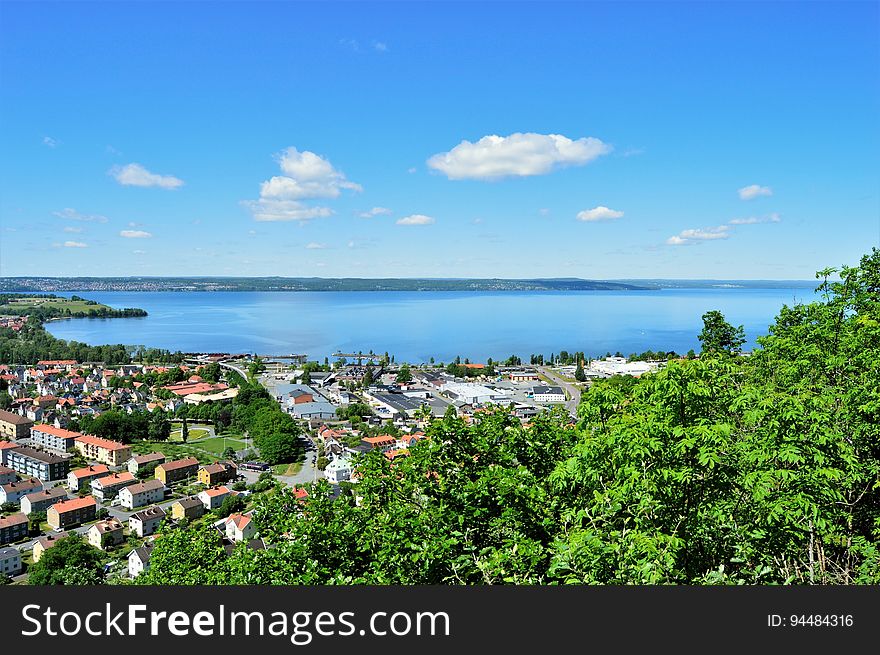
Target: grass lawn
[171,450]
[287,469]
[59,303]
[194,433]
[216,444]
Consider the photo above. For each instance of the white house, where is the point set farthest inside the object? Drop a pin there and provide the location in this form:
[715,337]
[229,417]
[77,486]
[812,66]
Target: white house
[144,493]
[139,560]
[213,498]
[338,470]
[13,492]
[147,521]
[544,394]
[240,527]
[10,561]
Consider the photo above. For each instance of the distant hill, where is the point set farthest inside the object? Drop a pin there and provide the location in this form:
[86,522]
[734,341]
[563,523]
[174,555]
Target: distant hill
[54,284]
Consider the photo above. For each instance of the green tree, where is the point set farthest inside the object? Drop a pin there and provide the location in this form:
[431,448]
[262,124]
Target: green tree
[404,374]
[184,431]
[579,374]
[71,561]
[160,426]
[719,336]
[230,505]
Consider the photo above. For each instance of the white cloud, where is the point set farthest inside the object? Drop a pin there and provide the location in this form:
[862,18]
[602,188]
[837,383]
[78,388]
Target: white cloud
[754,220]
[350,43]
[599,213]
[376,211]
[753,191]
[138,252]
[411,169]
[520,154]
[72,228]
[416,219]
[75,244]
[50,142]
[72,215]
[544,211]
[306,175]
[688,237]
[135,234]
[136,175]
[284,210]
[380,46]
[316,246]
[133,224]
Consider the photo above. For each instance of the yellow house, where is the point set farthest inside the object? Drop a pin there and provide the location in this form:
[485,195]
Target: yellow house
[101,450]
[45,543]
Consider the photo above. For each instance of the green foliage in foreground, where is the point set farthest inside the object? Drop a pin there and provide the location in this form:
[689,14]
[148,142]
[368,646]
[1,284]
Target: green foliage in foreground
[71,561]
[721,470]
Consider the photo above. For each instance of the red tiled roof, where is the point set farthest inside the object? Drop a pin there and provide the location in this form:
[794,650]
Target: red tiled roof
[13,519]
[74,504]
[115,478]
[57,432]
[216,491]
[97,469]
[239,520]
[101,443]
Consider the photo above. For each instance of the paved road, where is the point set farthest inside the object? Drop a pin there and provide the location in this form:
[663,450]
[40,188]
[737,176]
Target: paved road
[574,392]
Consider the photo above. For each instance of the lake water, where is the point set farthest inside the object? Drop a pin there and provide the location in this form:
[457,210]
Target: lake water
[415,326]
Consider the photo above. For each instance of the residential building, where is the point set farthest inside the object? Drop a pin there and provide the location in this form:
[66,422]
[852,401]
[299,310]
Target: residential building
[190,508]
[52,438]
[240,527]
[338,470]
[10,561]
[104,534]
[382,443]
[523,376]
[38,463]
[14,426]
[13,528]
[72,512]
[41,501]
[147,521]
[46,542]
[13,492]
[143,493]
[214,497]
[213,474]
[177,470]
[104,451]
[5,448]
[139,560]
[544,394]
[7,475]
[106,487]
[82,478]
[146,462]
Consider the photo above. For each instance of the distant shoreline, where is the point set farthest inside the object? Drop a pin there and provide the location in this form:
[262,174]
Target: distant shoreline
[266,284]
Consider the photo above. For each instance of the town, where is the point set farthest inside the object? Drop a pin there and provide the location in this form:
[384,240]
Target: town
[113,455]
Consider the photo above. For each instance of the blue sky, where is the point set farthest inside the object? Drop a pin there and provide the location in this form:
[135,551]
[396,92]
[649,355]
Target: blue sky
[685,140]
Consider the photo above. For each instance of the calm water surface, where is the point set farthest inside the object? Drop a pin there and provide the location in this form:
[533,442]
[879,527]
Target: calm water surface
[415,326]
